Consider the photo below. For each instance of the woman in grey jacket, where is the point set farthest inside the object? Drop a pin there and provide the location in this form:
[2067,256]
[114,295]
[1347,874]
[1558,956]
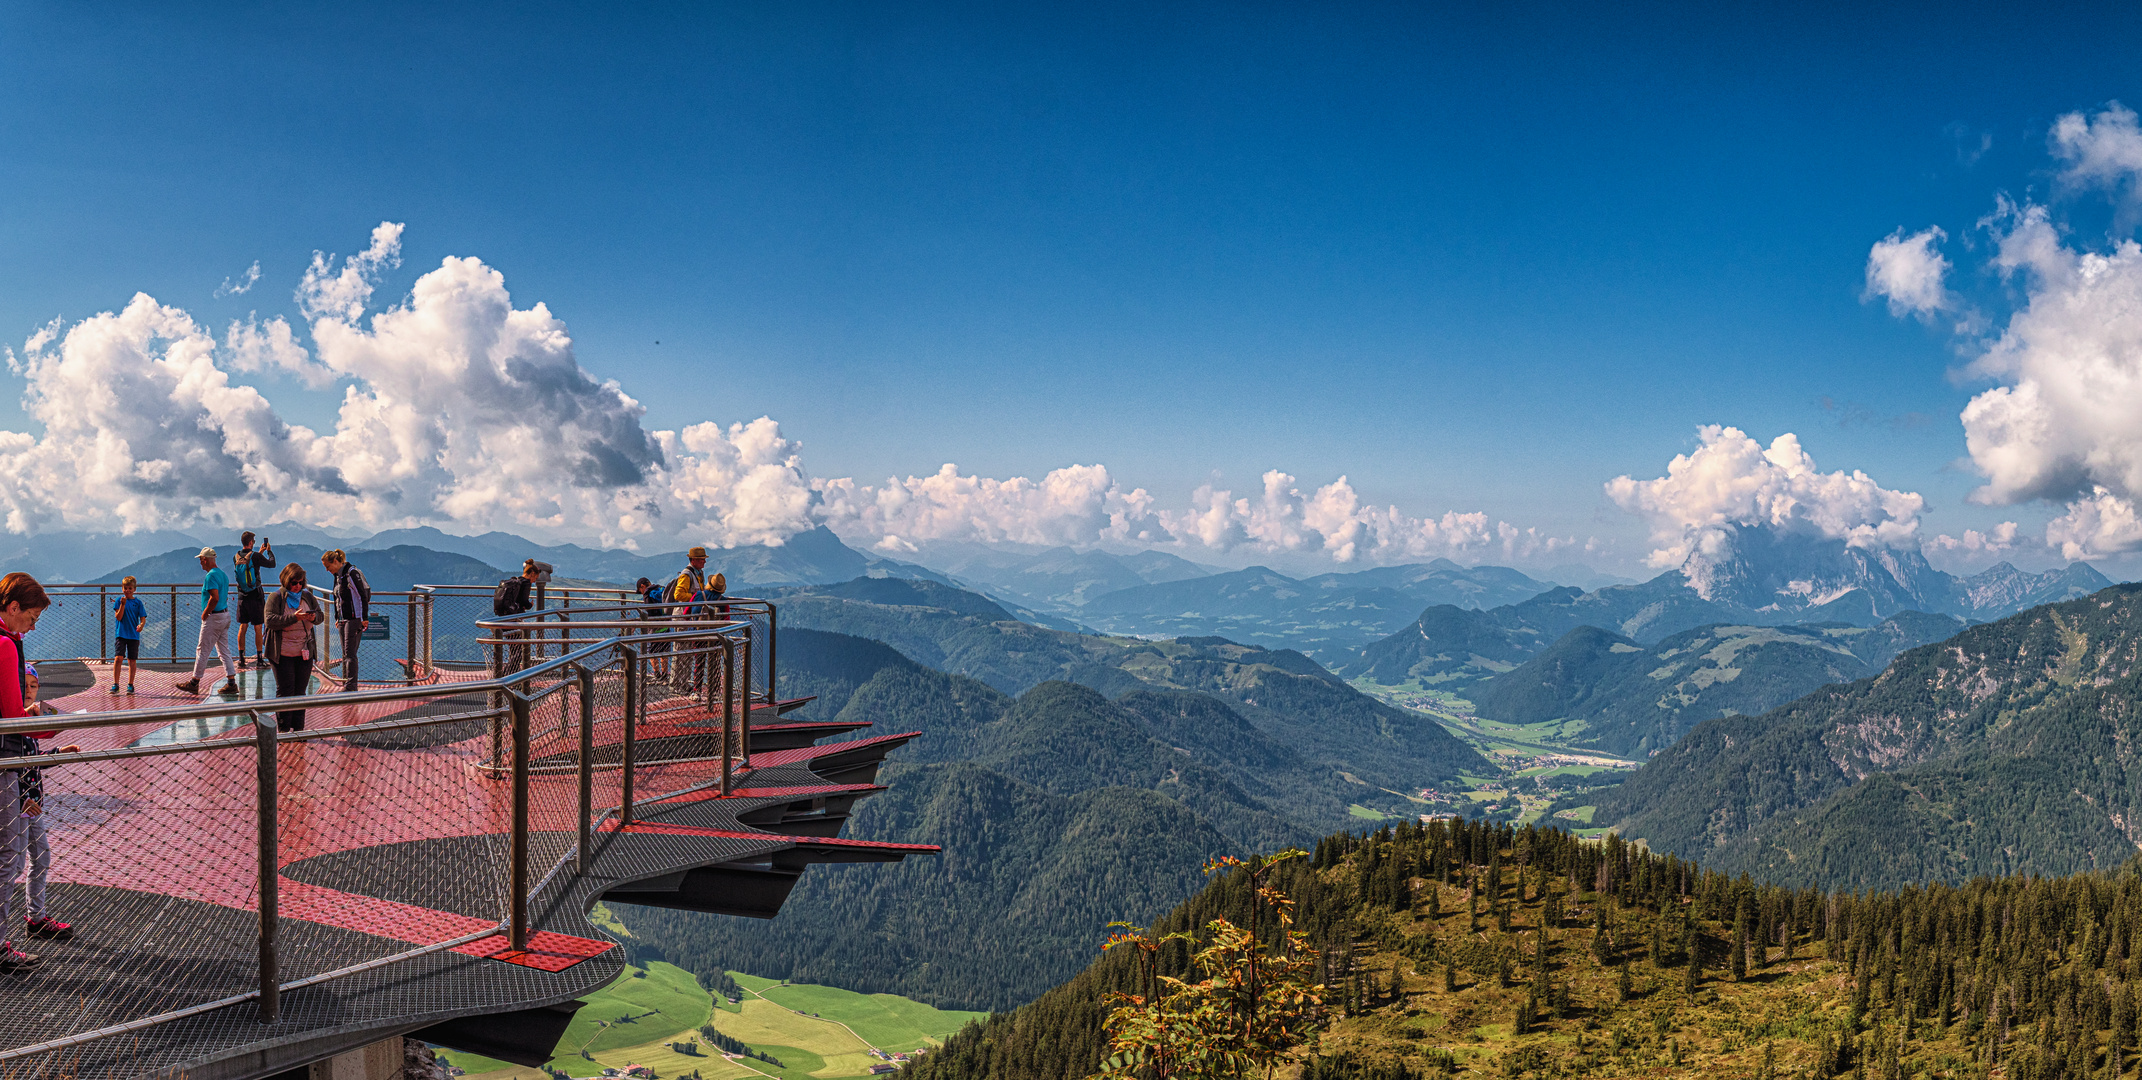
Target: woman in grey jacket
[292,613]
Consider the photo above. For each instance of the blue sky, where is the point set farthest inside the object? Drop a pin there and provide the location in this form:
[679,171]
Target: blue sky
[1472,260]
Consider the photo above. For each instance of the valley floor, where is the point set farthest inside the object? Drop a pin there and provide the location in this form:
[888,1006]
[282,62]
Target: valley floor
[811,1032]
[1539,764]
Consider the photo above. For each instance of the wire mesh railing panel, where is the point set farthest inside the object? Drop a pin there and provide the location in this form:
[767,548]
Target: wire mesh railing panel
[386,833]
[81,623]
[158,855]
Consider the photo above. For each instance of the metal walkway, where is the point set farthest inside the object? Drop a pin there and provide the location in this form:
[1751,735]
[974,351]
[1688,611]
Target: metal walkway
[248,901]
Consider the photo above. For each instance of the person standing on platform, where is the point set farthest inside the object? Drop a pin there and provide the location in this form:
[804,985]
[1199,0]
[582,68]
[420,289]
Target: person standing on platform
[654,610]
[252,600]
[215,627]
[292,613]
[128,617]
[684,592]
[353,608]
[22,600]
[516,596]
[36,841]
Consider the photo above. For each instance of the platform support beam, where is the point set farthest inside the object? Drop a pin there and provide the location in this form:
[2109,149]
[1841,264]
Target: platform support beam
[631,728]
[743,728]
[587,767]
[271,1002]
[519,922]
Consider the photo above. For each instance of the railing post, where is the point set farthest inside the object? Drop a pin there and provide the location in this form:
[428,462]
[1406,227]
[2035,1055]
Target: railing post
[500,699]
[587,765]
[743,730]
[174,623]
[271,1003]
[519,921]
[632,708]
[104,611]
[773,634]
[409,634]
[728,712]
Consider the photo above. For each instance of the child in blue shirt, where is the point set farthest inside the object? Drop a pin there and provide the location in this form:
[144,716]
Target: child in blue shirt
[128,615]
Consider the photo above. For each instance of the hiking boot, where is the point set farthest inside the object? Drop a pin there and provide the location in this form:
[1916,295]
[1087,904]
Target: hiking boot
[130,688]
[190,686]
[230,688]
[45,926]
[13,959]
[115,688]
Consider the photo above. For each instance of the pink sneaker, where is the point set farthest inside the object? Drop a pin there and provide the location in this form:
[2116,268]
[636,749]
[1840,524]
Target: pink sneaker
[45,926]
[13,959]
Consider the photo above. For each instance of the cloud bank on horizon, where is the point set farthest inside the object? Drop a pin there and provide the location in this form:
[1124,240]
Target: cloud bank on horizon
[460,409]
[2064,425]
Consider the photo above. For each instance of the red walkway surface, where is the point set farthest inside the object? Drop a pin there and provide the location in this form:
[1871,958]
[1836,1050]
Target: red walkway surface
[183,824]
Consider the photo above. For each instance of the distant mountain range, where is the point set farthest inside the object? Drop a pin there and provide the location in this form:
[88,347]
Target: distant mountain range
[2006,749]
[1160,596]
[1763,581]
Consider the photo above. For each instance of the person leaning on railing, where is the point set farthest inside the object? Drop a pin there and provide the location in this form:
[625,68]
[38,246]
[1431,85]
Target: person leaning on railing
[22,600]
[291,614]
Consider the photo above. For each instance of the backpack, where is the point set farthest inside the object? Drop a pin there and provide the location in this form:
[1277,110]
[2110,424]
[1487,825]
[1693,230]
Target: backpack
[510,598]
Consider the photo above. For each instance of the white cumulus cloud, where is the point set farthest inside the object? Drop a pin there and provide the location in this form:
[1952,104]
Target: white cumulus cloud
[459,408]
[1731,482]
[2064,422]
[1910,273]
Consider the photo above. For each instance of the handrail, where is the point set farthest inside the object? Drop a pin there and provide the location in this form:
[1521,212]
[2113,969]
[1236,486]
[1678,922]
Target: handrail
[575,667]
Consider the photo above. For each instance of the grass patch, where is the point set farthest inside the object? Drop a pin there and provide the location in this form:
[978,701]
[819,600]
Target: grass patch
[886,1021]
[641,1006]
[1363,812]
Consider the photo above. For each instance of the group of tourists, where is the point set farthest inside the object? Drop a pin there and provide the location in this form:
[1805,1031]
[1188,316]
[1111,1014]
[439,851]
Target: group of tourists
[692,594]
[282,629]
[281,625]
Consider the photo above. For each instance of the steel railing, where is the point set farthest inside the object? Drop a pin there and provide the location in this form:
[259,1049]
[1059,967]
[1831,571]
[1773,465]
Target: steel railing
[589,669]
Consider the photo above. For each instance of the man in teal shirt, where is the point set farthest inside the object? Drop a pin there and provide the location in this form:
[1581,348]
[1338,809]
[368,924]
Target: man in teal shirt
[215,627]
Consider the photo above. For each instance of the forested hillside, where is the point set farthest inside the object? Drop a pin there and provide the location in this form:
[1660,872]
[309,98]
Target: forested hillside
[1456,949]
[1055,807]
[1629,699]
[1286,695]
[2006,749]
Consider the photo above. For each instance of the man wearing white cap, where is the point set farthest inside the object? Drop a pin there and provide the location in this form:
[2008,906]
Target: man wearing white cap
[215,627]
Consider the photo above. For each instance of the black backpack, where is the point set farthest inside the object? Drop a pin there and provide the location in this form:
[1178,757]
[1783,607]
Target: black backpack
[510,598]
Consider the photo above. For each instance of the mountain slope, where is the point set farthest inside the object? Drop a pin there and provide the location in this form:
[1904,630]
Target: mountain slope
[1632,700]
[1007,911]
[1286,695]
[395,569]
[2007,748]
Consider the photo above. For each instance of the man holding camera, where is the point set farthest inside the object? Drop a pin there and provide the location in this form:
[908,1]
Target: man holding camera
[252,599]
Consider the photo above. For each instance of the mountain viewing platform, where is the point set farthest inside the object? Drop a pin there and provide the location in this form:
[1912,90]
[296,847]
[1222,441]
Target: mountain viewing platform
[421,857]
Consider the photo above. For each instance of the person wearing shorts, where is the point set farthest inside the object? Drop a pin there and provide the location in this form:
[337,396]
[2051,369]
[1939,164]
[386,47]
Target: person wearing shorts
[252,598]
[128,617]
